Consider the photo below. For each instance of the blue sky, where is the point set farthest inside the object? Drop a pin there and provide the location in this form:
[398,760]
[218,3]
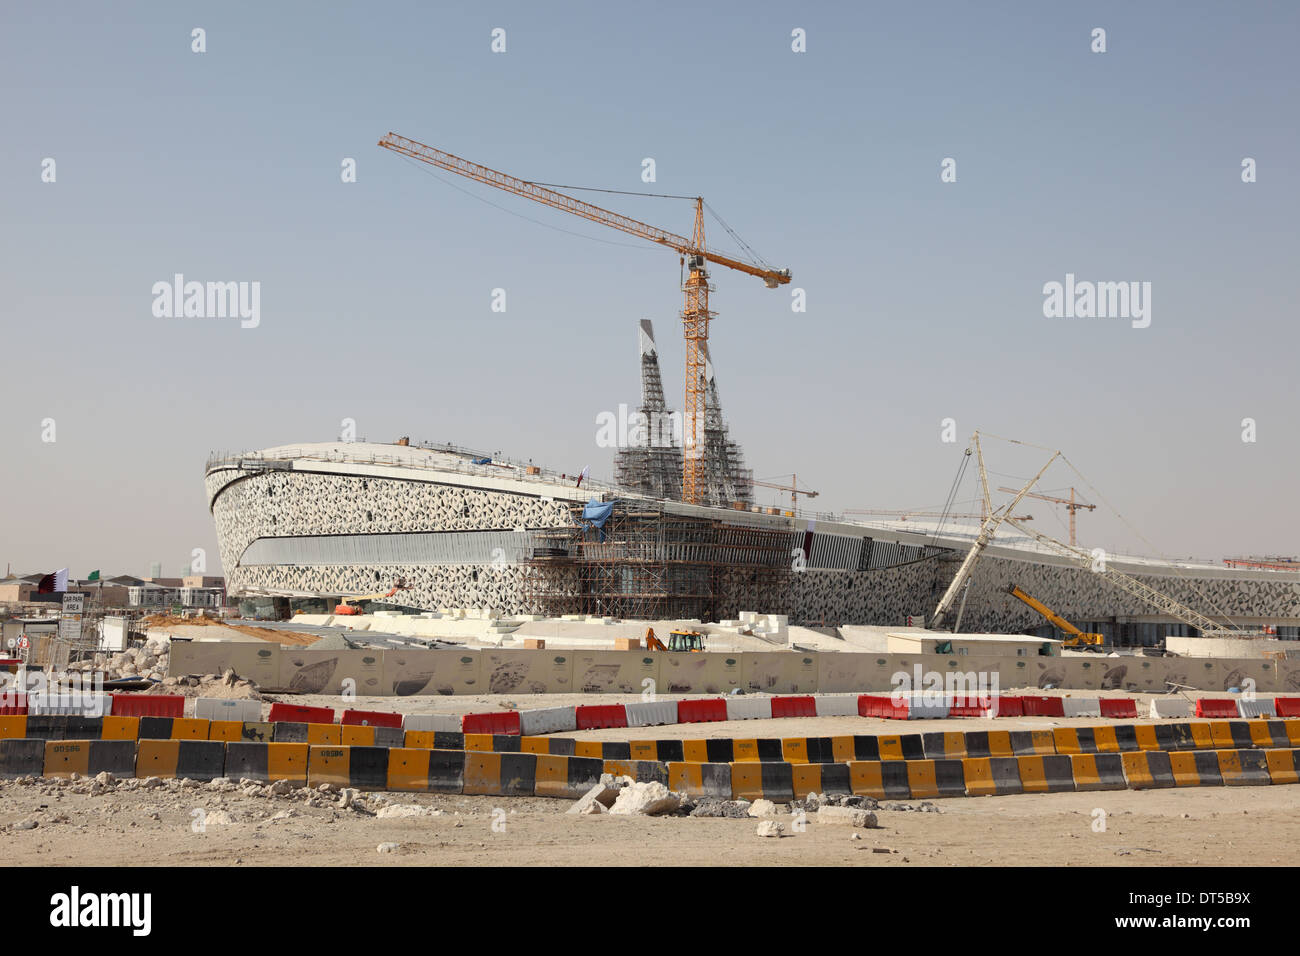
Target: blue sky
[924,298]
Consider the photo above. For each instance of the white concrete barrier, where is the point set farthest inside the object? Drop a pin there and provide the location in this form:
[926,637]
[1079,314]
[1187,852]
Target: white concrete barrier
[924,707]
[445,722]
[41,703]
[837,705]
[1081,706]
[749,708]
[219,708]
[547,720]
[1163,707]
[1259,707]
[651,714]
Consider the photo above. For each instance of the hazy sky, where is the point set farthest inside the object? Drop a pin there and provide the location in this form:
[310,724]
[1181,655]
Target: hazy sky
[924,298]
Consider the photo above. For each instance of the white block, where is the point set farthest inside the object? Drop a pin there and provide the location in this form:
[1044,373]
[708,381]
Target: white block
[837,705]
[749,708]
[651,714]
[69,702]
[1081,706]
[1259,707]
[447,722]
[547,720]
[216,708]
[1170,707]
[925,707]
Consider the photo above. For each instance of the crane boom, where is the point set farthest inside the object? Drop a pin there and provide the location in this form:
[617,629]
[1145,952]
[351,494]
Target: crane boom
[558,200]
[1159,601]
[695,315]
[987,531]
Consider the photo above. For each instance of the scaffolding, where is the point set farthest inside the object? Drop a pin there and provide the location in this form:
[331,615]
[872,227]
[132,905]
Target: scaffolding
[649,564]
[651,463]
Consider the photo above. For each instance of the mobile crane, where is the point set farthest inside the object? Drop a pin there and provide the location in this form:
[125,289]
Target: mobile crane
[1077,640]
[345,608]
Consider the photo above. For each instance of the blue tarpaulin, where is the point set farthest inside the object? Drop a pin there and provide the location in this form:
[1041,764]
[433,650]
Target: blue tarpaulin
[482,461]
[596,513]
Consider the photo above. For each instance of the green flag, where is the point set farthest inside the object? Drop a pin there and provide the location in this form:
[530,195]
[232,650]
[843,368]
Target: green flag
[94,576]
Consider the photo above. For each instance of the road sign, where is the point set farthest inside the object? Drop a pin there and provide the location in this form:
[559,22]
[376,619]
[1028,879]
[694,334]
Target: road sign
[70,618]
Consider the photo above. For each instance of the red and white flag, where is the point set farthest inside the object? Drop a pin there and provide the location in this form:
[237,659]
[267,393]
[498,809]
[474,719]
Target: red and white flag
[586,470]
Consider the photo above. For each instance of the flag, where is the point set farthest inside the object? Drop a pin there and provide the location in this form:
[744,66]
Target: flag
[45,585]
[61,580]
[586,470]
[94,576]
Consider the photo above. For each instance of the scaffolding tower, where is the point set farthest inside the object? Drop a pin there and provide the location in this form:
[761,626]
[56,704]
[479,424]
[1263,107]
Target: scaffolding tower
[646,563]
[651,464]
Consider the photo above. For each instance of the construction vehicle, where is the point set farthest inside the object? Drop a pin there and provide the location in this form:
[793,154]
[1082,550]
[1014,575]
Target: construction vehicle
[1077,640]
[348,606]
[1091,561]
[685,641]
[682,640]
[696,314]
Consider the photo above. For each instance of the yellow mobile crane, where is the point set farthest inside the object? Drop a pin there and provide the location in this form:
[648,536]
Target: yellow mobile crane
[1077,639]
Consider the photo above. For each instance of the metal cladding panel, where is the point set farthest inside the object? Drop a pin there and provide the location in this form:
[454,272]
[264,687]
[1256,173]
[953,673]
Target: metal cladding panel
[421,547]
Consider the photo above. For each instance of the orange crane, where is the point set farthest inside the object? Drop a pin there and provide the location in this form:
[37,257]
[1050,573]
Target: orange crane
[695,314]
[350,606]
[1071,505]
[793,488]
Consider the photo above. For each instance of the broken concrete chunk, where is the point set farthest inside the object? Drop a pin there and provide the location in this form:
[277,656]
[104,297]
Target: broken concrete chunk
[762,808]
[770,828]
[645,799]
[846,816]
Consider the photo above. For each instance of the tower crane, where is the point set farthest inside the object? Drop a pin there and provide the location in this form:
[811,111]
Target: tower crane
[904,515]
[695,314]
[793,488]
[1071,506]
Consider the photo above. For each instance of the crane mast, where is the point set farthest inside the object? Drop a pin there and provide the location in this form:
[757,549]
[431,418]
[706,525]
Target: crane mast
[695,313]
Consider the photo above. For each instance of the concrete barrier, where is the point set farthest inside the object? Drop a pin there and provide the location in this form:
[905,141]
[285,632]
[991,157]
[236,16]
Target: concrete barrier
[1118,708]
[267,762]
[568,777]
[831,705]
[13,726]
[651,714]
[1098,772]
[177,759]
[66,702]
[992,776]
[762,781]
[89,757]
[1046,774]
[365,768]
[1283,766]
[700,779]
[435,722]
[550,720]
[1170,707]
[504,775]
[1147,770]
[924,707]
[21,758]
[1243,768]
[642,771]
[820,778]
[217,708]
[750,707]
[1081,706]
[1259,707]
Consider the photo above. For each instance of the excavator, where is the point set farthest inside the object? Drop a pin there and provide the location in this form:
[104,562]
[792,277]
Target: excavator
[345,608]
[677,641]
[1076,639]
